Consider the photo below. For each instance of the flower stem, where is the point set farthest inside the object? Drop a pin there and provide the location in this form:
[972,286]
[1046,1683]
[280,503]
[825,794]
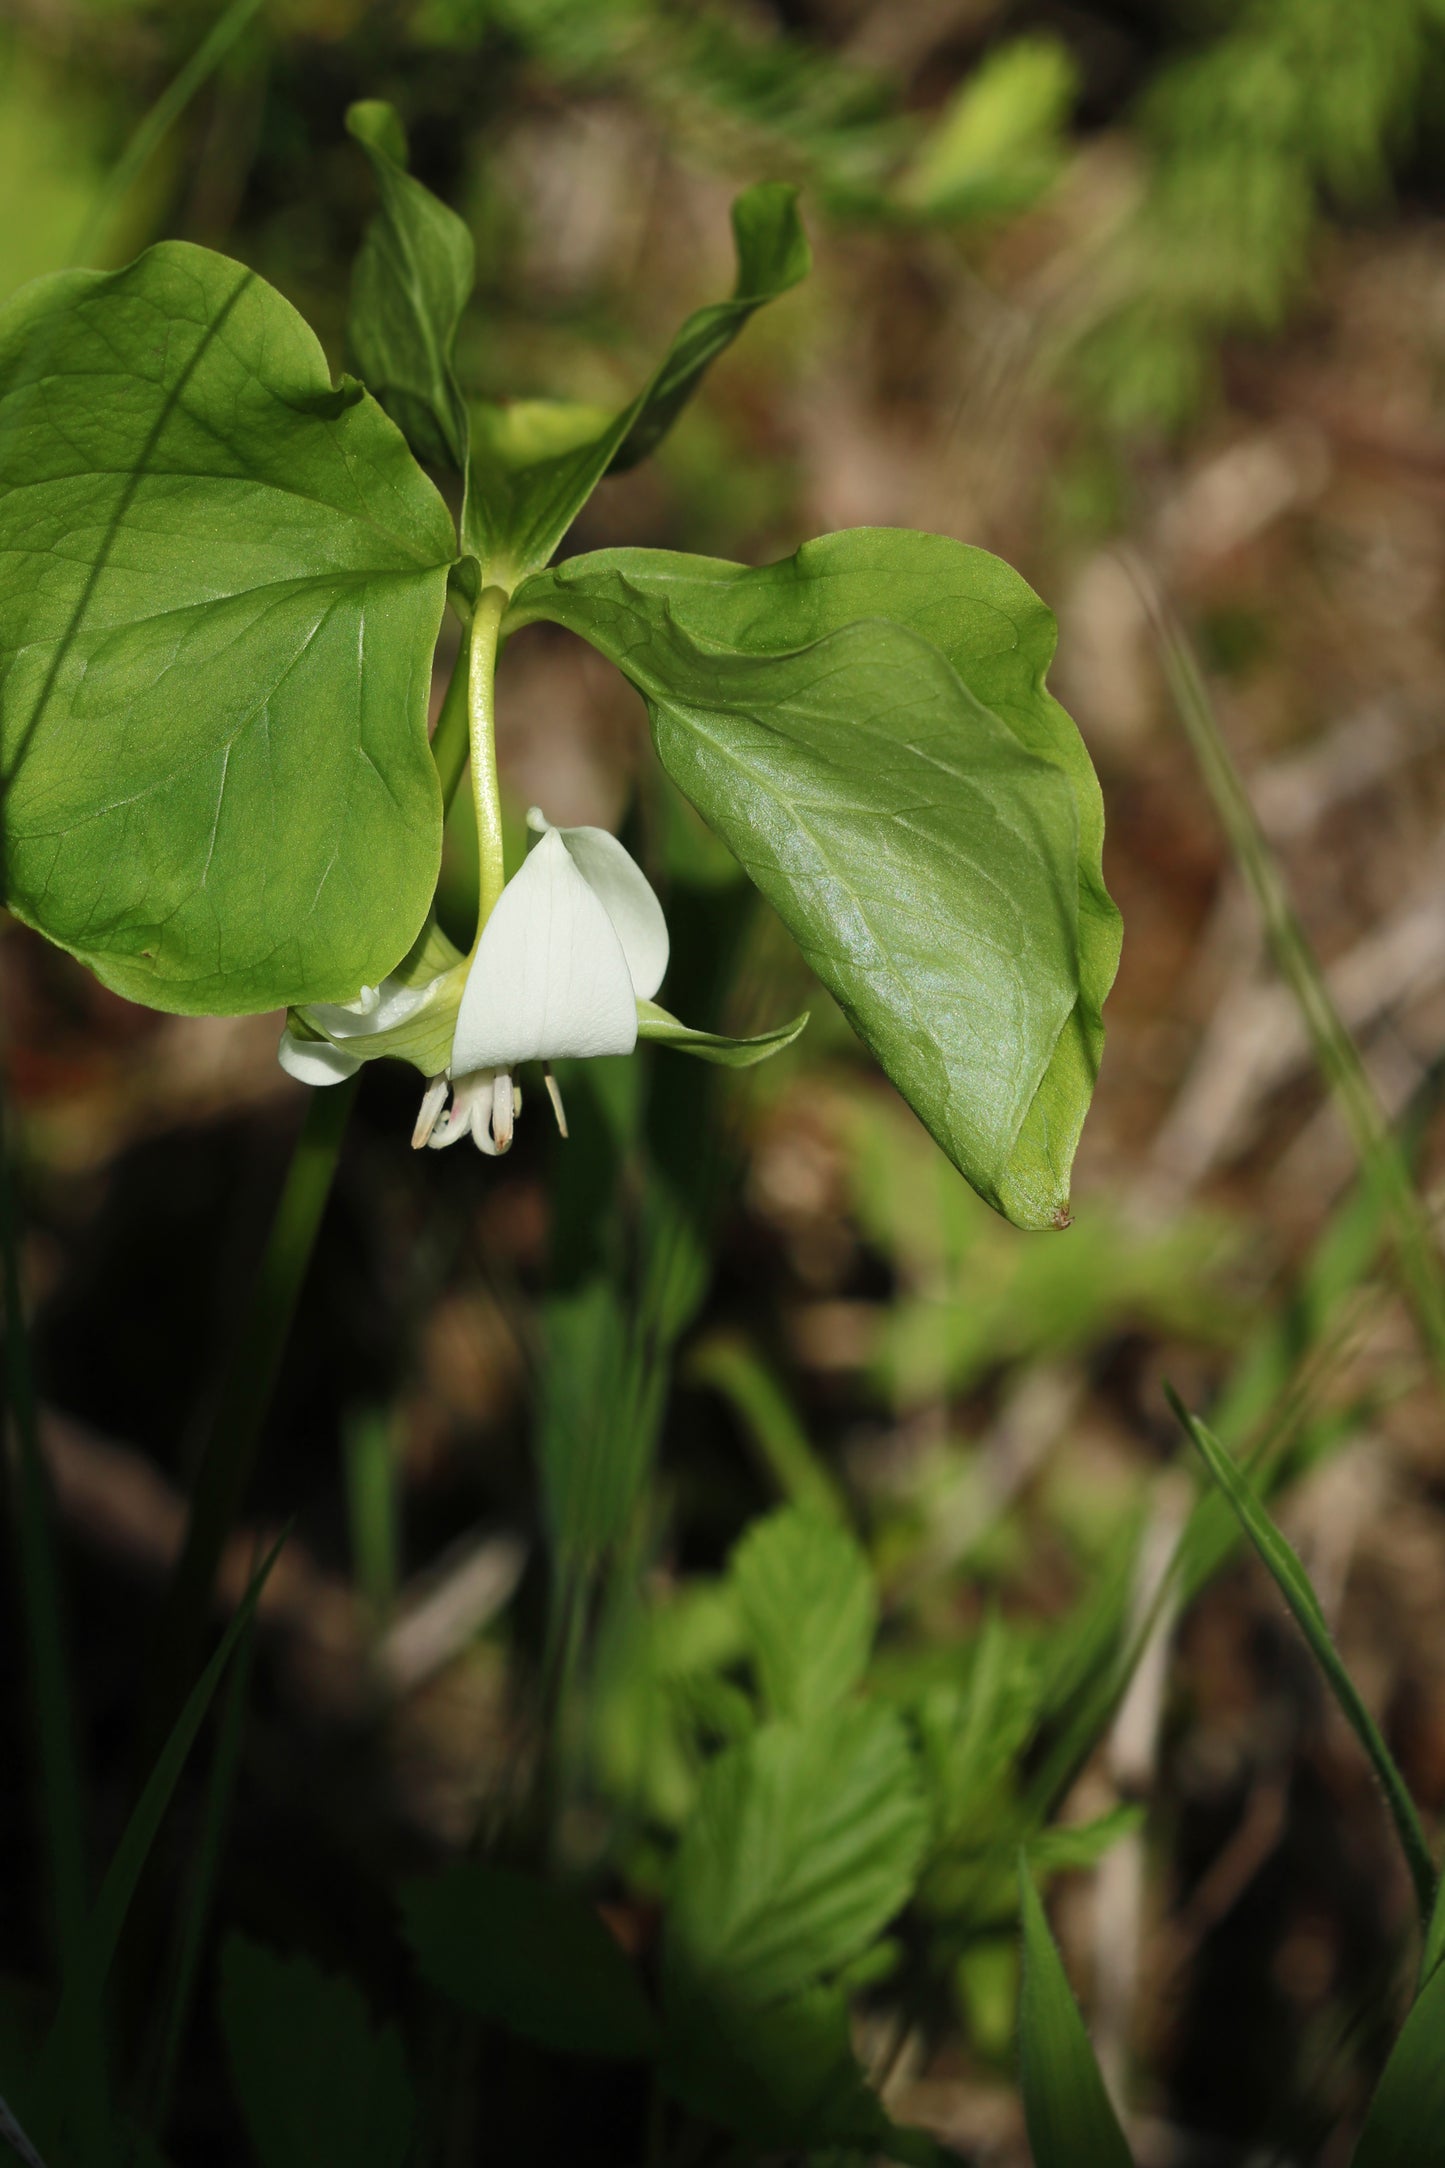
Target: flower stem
[481,714]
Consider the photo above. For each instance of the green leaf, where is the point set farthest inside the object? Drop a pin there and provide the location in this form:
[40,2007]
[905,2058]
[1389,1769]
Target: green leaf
[805,1841]
[655,1023]
[1071,2123]
[1294,1586]
[62,2071]
[782,2076]
[412,279]
[866,725]
[520,505]
[223,582]
[1405,2126]
[529,1956]
[317,2081]
[806,1594]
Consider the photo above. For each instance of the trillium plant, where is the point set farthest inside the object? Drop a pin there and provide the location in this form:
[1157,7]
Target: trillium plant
[224,577]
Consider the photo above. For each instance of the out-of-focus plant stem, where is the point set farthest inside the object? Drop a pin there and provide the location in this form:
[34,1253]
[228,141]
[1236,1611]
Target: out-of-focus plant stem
[230,1451]
[1376,1147]
[159,121]
[61,1798]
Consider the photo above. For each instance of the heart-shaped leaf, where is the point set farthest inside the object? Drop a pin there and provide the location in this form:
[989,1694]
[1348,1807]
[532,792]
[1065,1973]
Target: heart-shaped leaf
[866,725]
[223,579]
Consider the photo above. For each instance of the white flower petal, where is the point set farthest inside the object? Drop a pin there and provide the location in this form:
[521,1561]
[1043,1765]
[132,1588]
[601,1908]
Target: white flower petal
[626,895]
[550,977]
[315,1061]
[389,1004]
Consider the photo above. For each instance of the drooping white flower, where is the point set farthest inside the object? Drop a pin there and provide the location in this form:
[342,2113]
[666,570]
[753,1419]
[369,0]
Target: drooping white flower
[576,940]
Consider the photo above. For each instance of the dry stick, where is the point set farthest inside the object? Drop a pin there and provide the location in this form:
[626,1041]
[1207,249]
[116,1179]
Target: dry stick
[1339,1058]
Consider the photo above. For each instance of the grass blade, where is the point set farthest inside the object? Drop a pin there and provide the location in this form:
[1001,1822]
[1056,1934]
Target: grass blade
[729,1366]
[230,1453]
[60,2078]
[197,1909]
[61,1794]
[1405,2127]
[1071,2120]
[1434,1951]
[1335,1051]
[162,117]
[1294,1586]
[16,2139]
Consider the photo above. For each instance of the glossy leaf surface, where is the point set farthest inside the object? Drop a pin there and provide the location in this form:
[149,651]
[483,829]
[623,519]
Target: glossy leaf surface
[865,724]
[221,586]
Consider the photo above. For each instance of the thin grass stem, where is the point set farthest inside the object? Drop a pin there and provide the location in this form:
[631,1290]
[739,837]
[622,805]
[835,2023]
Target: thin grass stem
[61,1795]
[1377,1149]
[229,1457]
[159,121]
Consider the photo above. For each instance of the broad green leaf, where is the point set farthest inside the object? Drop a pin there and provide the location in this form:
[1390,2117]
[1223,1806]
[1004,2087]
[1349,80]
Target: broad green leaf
[1071,2123]
[655,1023]
[1405,2126]
[806,1594]
[529,1956]
[412,279]
[520,505]
[62,2073]
[780,2076]
[316,2079]
[1294,1586]
[865,725]
[805,1841]
[222,583]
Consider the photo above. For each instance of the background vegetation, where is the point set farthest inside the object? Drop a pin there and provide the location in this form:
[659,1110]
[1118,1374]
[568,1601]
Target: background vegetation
[1151,300]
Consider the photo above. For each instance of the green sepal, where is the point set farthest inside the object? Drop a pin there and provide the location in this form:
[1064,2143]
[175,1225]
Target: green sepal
[530,477]
[424,1038]
[656,1024]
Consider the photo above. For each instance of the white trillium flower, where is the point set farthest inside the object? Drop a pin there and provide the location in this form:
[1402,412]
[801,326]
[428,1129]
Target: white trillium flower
[576,940]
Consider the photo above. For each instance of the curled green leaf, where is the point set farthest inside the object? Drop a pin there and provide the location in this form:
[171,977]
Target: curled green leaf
[656,1024]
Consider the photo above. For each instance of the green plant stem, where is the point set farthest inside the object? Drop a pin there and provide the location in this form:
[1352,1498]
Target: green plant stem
[61,1812]
[159,121]
[1335,1051]
[451,740]
[230,1452]
[481,717]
